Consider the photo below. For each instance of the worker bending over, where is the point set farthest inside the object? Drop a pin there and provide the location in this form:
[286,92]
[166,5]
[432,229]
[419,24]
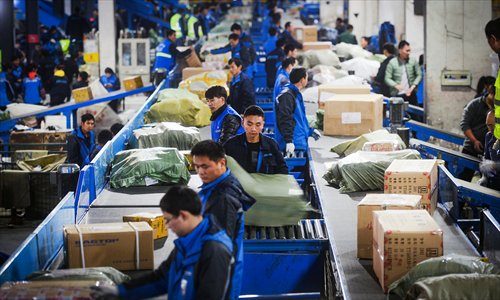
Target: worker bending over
[255,152]
[198,267]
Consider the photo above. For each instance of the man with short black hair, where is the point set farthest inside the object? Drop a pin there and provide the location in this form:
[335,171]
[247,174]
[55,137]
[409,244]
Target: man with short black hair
[241,90]
[389,51]
[223,197]
[347,36]
[237,49]
[246,40]
[287,35]
[283,76]
[198,267]
[82,80]
[226,122]
[293,129]
[167,53]
[81,142]
[270,43]
[273,61]
[403,74]
[290,50]
[255,152]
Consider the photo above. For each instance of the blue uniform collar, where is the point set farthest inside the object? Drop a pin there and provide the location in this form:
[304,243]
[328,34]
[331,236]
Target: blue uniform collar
[208,186]
[190,243]
[292,87]
[236,79]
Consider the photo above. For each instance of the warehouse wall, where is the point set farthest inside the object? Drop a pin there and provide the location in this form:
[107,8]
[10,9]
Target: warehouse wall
[455,40]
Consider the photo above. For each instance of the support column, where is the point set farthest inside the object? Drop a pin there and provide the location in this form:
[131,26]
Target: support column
[107,35]
[7,30]
[32,28]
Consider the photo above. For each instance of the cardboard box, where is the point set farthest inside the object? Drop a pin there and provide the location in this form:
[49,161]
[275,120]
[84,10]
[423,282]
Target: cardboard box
[82,94]
[188,72]
[132,83]
[316,46]
[415,177]
[326,91]
[189,158]
[402,239]
[38,136]
[306,33]
[376,202]
[353,115]
[110,245]
[156,221]
[193,60]
[52,289]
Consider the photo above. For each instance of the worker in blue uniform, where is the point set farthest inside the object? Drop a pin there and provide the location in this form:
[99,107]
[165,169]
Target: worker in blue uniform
[111,83]
[223,197]
[33,92]
[287,35]
[270,43]
[273,61]
[6,91]
[81,142]
[167,53]
[246,40]
[226,122]
[255,152]
[293,129]
[241,90]
[283,76]
[198,267]
[237,49]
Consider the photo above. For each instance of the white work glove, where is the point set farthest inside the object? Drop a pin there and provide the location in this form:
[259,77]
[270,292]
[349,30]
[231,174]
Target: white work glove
[316,134]
[104,292]
[290,148]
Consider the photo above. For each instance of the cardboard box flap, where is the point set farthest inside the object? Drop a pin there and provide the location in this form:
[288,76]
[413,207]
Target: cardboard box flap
[146,215]
[391,199]
[407,221]
[418,166]
[106,228]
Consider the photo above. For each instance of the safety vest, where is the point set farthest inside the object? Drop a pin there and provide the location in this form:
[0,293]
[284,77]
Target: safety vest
[31,89]
[164,58]
[176,25]
[216,126]
[497,106]
[192,28]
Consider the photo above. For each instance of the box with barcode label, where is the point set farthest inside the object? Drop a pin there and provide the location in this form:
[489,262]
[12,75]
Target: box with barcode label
[402,239]
[124,246]
[353,114]
[414,177]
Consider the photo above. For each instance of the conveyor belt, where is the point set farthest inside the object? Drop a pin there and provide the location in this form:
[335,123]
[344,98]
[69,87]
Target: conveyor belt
[311,229]
[340,214]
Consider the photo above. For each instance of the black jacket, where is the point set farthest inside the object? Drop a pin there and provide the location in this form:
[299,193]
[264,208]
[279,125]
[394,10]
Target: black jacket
[273,59]
[59,90]
[272,159]
[230,124]
[284,114]
[211,267]
[380,78]
[241,93]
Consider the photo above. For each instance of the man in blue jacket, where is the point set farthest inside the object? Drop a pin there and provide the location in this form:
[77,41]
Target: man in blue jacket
[273,61]
[223,197]
[238,50]
[287,35]
[283,76]
[241,91]
[293,129]
[81,142]
[226,122]
[246,41]
[255,152]
[198,267]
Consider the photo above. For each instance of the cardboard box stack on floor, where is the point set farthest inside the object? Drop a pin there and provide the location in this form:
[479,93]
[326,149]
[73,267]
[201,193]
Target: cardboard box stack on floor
[124,246]
[402,239]
[415,177]
[353,115]
[377,202]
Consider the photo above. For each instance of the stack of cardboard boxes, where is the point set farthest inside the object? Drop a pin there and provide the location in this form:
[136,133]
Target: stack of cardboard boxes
[396,229]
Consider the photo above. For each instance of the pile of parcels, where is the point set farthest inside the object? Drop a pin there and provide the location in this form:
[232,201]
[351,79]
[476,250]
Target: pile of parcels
[396,229]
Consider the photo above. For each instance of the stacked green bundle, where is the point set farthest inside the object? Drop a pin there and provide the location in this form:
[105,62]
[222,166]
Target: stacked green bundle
[351,146]
[144,167]
[167,134]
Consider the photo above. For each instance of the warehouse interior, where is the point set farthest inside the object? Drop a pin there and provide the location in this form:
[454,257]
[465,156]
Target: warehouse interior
[384,115]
